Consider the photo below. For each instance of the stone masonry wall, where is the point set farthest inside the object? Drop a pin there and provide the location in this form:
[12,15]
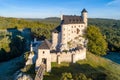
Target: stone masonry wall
[69,56]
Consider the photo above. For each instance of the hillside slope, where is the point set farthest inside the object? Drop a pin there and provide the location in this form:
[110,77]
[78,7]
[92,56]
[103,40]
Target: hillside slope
[94,67]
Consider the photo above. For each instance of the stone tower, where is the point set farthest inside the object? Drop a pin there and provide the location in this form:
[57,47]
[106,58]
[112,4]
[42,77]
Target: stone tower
[54,39]
[84,16]
[44,56]
[68,35]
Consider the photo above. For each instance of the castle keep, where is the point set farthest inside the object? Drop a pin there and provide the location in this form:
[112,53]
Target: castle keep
[69,34]
[68,42]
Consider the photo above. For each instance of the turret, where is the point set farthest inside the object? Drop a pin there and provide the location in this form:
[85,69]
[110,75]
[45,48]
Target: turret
[61,17]
[84,16]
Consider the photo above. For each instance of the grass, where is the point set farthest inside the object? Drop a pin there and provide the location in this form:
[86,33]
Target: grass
[94,67]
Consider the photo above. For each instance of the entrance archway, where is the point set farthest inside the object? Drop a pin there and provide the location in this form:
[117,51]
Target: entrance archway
[44,62]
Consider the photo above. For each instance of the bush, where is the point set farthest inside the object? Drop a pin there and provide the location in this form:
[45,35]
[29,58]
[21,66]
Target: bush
[66,76]
[69,76]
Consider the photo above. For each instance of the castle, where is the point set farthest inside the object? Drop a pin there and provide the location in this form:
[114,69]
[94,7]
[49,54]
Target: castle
[68,42]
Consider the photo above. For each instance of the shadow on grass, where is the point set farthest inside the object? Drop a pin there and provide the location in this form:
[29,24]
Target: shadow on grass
[89,71]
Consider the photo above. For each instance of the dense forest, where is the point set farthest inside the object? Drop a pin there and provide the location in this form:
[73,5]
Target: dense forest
[41,28]
[11,46]
[13,43]
[110,28]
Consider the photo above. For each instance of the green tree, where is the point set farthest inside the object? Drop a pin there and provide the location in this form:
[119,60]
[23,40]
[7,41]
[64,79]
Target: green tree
[4,43]
[96,41]
[11,46]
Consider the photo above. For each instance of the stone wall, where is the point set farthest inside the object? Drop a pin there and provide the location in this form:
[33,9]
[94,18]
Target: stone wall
[54,40]
[72,32]
[44,54]
[69,56]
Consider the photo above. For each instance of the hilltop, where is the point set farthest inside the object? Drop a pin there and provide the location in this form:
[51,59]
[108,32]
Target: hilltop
[93,67]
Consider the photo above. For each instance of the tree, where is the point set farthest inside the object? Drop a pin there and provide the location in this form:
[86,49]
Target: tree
[4,43]
[96,41]
[11,46]
[78,76]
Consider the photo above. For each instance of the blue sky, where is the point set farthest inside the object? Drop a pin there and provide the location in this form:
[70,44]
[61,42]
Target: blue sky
[54,8]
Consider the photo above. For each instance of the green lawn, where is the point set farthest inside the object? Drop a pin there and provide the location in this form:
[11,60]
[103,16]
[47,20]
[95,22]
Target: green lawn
[94,67]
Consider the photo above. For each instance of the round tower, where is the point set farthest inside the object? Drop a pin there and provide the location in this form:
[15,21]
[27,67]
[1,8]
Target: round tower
[84,16]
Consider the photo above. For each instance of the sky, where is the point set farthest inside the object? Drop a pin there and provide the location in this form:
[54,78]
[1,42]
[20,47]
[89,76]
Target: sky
[55,8]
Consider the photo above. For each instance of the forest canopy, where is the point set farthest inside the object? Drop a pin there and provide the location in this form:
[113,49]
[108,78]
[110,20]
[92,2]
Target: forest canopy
[41,28]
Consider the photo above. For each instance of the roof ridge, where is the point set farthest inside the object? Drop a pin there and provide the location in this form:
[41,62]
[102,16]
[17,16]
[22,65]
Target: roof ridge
[48,43]
[45,45]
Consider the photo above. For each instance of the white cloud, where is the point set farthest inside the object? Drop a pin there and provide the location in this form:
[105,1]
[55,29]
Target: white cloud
[114,3]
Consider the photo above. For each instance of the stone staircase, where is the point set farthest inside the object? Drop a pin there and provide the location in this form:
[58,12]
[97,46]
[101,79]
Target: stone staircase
[40,72]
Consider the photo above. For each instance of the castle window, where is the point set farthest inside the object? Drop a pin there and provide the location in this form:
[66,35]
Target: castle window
[73,20]
[77,20]
[63,34]
[78,31]
[74,26]
[80,20]
[43,52]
